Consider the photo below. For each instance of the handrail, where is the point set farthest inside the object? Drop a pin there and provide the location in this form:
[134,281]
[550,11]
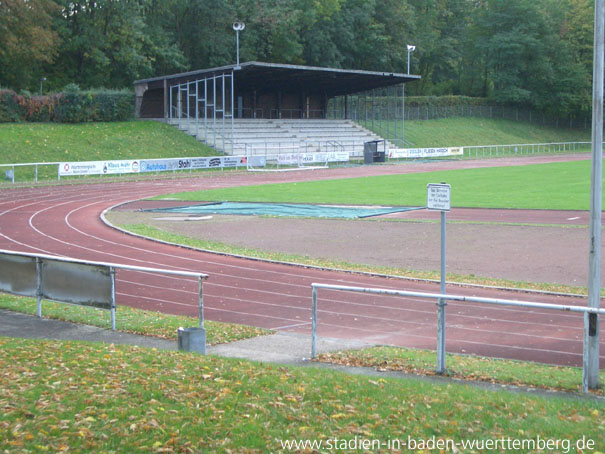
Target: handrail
[590,319]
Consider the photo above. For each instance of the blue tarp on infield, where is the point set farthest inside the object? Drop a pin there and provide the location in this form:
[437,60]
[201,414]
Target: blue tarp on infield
[285,209]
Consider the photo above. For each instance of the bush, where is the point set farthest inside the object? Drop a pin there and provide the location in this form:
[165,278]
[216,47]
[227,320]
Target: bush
[70,106]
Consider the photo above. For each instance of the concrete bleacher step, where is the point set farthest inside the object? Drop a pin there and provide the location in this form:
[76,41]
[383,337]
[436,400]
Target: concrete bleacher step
[315,134]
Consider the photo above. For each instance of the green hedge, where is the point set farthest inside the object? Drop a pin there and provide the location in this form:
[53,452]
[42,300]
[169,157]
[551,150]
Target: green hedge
[71,106]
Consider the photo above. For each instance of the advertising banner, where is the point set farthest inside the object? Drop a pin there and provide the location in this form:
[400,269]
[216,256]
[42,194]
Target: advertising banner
[98,167]
[425,152]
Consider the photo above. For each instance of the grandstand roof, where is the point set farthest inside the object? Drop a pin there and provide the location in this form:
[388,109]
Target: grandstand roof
[274,76]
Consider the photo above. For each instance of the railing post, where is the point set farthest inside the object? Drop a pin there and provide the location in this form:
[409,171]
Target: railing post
[112,273]
[201,301]
[39,287]
[314,325]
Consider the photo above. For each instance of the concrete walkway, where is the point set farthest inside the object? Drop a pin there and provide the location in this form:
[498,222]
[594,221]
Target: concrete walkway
[280,348]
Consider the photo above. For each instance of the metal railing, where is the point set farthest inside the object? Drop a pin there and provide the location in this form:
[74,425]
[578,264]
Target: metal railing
[72,281]
[494,151]
[591,319]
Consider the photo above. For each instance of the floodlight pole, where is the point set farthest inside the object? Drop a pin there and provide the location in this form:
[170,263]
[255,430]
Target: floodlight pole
[410,50]
[237,46]
[590,378]
[237,26]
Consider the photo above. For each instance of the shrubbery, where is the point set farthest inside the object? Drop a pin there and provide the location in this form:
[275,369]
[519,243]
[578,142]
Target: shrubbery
[70,106]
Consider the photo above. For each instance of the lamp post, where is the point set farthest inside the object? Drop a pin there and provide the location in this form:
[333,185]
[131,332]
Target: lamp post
[43,79]
[410,50]
[237,26]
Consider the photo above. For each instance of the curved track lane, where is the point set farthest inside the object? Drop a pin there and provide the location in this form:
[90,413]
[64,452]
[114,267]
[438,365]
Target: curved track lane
[65,220]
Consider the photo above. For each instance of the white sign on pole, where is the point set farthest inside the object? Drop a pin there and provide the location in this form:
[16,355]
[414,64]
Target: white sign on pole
[438,197]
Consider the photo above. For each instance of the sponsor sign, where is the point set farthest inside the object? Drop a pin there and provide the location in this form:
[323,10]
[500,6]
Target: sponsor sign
[312,158]
[438,197]
[98,167]
[425,152]
[150,165]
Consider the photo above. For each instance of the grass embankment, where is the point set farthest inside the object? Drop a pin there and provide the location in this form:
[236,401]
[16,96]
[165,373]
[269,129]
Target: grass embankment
[59,396]
[132,320]
[555,186]
[51,142]
[454,132]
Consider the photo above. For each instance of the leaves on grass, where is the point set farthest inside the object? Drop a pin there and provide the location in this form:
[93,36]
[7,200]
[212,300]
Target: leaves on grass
[59,396]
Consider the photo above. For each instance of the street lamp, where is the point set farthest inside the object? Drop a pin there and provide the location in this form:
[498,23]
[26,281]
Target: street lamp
[237,26]
[410,50]
[42,80]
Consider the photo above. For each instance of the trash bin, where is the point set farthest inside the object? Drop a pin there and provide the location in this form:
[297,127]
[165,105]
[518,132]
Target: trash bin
[371,153]
[192,340]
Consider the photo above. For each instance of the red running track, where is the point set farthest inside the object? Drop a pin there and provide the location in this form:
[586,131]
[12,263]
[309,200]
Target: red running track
[65,220]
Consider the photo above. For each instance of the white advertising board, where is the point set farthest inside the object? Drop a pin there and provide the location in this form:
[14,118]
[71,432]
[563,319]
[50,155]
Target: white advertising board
[400,153]
[98,167]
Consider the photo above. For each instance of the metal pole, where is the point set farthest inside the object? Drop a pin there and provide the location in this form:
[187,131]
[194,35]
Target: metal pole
[201,301]
[403,117]
[112,273]
[237,45]
[314,325]
[441,305]
[591,351]
[39,287]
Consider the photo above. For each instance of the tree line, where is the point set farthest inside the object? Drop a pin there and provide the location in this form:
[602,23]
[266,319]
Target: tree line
[530,53]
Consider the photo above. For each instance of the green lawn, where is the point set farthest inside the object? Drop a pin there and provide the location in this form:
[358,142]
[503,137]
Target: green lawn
[130,320]
[452,132]
[557,186]
[50,142]
[58,396]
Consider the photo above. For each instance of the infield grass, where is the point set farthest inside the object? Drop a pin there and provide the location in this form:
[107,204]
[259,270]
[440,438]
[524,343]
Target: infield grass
[553,186]
[58,396]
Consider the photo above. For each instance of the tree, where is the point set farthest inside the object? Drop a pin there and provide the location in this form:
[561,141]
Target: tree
[27,41]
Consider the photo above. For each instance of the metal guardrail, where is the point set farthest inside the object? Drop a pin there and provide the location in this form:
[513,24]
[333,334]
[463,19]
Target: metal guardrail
[67,280]
[591,319]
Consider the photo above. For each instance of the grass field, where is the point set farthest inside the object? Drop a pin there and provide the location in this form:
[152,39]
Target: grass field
[452,132]
[557,186]
[59,396]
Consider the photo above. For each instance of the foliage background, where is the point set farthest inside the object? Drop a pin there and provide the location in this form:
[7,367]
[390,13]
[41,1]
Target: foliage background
[530,53]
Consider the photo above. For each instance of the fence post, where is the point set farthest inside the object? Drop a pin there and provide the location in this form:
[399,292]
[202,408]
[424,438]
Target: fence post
[59,172]
[314,325]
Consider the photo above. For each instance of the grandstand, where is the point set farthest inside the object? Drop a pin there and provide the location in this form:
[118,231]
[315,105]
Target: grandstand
[256,106]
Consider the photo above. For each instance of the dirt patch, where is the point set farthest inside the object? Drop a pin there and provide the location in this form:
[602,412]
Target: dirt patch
[536,253]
